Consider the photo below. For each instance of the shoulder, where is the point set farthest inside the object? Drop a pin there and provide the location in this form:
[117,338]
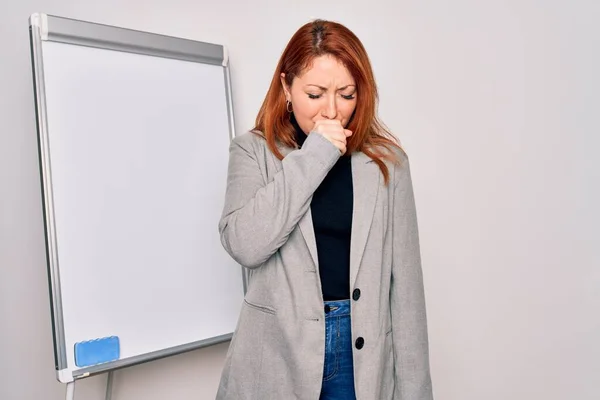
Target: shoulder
[402,174]
[249,138]
[392,154]
[402,161]
[396,160]
[251,141]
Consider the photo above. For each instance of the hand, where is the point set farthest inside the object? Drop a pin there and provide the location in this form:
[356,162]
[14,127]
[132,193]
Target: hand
[333,131]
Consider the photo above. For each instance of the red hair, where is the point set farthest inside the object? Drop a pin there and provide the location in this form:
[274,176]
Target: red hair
[316,39]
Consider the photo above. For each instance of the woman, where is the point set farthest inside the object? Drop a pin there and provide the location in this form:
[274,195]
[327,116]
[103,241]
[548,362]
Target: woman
[319,208]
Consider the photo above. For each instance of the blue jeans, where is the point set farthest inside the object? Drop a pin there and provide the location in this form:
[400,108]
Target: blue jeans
[338,373]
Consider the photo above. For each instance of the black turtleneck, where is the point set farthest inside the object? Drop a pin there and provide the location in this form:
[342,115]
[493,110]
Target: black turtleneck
[331,209]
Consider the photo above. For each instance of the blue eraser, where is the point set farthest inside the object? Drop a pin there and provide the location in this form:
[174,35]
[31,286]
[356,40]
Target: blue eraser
[97,351]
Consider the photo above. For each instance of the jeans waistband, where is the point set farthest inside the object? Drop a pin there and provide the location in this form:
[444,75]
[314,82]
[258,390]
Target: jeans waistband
[337,308]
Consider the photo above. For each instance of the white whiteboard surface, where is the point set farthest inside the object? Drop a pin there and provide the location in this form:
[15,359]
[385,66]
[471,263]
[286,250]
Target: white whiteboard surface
[138,151]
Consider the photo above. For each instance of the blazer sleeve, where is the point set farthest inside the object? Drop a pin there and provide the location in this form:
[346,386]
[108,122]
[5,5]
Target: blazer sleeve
[258,217]
[407,297]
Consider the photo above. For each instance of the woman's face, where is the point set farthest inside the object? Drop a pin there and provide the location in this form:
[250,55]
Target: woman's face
[326,90]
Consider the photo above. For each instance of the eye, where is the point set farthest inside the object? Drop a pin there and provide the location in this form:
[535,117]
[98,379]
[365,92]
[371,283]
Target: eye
[348,97]
[313,96]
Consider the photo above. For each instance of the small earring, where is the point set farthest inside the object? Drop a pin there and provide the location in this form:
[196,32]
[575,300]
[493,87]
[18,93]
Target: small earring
[288,106]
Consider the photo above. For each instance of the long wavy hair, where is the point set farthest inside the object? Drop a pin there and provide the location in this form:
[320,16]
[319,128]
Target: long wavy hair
[314,39]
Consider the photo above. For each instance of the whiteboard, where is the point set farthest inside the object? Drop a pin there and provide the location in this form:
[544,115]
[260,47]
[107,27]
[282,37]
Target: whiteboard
[134,131]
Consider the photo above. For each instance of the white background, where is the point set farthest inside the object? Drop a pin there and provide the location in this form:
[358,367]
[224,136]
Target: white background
[497,105]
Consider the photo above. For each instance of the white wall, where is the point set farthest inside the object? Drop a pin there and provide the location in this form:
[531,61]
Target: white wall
[497,103]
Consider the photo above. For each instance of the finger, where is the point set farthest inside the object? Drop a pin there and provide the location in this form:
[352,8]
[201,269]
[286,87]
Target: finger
[341,145]
[348,132]
[337,136]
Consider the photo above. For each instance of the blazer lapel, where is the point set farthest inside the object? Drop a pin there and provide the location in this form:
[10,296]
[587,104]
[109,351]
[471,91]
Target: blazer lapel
[305,223]
[308,231]
[365,180]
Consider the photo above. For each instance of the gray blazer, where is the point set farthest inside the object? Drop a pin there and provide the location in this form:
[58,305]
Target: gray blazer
[277,351]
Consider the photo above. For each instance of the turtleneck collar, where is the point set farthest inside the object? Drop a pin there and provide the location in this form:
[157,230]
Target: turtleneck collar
[300,135]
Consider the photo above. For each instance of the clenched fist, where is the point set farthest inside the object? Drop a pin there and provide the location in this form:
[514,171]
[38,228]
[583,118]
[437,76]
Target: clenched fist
[333,131]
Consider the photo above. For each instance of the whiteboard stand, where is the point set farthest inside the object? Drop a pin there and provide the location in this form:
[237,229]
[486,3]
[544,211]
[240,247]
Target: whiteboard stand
[133,132]
[70,390]
[70,395]
[109,385]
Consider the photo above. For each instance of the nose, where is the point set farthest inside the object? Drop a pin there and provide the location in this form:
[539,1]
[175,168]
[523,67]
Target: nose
[329,110]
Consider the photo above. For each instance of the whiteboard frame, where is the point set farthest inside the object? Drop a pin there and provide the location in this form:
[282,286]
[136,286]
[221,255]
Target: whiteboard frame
[44,27]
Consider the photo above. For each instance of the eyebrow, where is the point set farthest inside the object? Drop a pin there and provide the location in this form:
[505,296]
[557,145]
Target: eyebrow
[324,88]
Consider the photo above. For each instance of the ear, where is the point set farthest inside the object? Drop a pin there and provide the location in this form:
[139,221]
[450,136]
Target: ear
[286,89]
